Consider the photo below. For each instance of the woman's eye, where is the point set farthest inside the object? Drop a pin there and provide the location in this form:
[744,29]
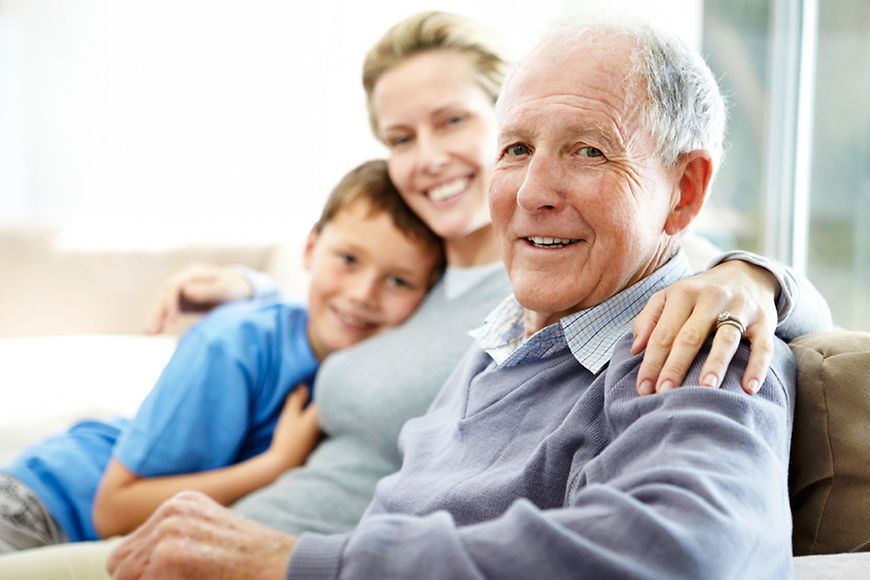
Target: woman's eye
[517,150]
[454,119]
[591,152]
[398,140]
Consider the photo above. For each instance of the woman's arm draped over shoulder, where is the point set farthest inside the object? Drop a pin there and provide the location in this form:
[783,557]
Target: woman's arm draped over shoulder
[766,296]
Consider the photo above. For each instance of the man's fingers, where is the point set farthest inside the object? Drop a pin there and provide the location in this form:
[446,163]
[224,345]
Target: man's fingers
[125,560]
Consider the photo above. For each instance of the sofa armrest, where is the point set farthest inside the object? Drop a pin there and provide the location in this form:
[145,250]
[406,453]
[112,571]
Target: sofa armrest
[829,476]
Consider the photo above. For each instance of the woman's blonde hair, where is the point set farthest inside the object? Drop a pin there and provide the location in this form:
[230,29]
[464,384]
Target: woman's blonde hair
[433,30]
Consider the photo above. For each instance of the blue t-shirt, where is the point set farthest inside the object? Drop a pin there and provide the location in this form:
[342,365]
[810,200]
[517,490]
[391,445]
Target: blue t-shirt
[216,404]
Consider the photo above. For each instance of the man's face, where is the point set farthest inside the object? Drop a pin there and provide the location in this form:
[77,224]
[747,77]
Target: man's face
[579,198]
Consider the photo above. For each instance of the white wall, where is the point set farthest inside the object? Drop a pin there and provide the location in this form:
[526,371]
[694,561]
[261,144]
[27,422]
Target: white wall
[215,118]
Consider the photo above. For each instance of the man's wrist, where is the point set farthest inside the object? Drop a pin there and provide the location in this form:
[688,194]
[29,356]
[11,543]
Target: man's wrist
[316,556]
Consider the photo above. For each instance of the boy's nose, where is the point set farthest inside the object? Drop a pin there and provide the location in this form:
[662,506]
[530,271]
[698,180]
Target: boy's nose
[364,290]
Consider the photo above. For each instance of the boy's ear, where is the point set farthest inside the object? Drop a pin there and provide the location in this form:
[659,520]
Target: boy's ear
[696,171]
[310,243]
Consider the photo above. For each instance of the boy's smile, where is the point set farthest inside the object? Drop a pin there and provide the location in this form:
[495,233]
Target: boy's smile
[366,276]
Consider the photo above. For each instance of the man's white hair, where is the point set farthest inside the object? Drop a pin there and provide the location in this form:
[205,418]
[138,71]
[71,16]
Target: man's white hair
[684,110]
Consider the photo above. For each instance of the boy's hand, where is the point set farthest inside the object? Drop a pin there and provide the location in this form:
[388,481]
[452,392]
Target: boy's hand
[297,430]
[196,287]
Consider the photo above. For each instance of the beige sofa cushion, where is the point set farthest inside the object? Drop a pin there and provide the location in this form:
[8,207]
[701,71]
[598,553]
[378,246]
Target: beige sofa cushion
[830,458]
[50,288]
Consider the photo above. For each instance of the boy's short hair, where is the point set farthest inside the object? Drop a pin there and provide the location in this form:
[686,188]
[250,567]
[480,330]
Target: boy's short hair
[371,182]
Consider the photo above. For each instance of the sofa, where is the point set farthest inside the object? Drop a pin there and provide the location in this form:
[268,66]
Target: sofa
[71,347]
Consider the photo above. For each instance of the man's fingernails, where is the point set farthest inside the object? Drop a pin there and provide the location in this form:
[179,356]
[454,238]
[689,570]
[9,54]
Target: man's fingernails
[711,380]
[754,385]
[667,385]
[646,387]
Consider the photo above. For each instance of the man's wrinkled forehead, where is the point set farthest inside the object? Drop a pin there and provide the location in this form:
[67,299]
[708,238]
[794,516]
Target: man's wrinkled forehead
[591,81]
[587,66]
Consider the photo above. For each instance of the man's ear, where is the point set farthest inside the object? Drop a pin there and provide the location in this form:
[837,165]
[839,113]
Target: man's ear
[308,254]
[696,171]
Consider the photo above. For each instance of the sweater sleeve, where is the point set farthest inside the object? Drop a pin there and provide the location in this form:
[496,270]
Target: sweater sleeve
[691,484]
[800,306]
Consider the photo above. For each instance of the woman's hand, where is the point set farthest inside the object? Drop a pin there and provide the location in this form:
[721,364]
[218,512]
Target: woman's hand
[676,322]
[196,287]
[297,431]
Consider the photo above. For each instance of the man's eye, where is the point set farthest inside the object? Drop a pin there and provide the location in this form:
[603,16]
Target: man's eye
[591,152]
[517,150]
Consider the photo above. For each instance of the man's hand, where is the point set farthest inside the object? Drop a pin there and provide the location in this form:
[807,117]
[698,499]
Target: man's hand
[197,287]
[676,322]
[191,536]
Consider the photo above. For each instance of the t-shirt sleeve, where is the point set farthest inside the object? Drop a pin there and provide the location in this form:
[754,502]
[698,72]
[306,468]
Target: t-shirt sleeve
[197,415]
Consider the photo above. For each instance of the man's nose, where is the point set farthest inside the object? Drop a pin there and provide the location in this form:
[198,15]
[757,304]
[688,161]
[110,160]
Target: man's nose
[540,190]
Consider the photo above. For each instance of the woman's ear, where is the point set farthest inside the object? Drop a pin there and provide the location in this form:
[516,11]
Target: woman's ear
[696,171]
[310,244]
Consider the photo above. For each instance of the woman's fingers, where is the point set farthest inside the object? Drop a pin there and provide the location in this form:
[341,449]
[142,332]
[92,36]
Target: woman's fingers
[660,362]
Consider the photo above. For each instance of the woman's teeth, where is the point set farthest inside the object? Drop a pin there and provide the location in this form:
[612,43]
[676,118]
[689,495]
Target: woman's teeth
[544,242]
[448,190]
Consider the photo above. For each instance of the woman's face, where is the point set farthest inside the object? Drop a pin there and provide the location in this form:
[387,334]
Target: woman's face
[439,126]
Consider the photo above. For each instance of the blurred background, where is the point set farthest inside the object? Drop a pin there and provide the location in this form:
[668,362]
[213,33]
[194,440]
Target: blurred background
[147,125]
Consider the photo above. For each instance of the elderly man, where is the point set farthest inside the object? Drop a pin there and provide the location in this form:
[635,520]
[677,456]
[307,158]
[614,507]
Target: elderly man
[539,459]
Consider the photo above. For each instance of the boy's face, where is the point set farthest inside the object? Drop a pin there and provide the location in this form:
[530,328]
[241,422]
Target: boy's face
[366,276]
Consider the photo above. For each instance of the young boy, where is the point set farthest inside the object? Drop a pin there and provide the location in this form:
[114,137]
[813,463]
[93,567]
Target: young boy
[225,417]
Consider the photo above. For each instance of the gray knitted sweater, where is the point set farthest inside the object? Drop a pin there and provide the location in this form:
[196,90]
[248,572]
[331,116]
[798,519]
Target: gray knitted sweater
[685,484]
[365,394]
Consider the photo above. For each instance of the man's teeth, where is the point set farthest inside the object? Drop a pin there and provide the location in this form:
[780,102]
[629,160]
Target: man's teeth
[544,242]
[448,190]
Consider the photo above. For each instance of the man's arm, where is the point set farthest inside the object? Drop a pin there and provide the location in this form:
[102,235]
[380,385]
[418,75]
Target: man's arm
[693,483]
[191,536]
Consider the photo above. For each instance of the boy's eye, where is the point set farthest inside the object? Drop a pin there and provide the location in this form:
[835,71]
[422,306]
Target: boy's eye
[398,282]
[346,258]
